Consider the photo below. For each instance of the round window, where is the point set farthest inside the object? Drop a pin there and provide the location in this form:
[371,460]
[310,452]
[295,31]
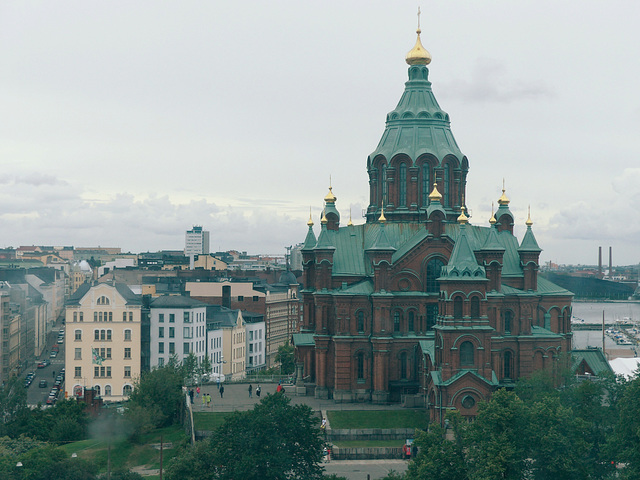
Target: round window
[468,401]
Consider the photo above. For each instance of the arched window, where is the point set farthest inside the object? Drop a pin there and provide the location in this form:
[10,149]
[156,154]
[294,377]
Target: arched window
[411,322]
[403,366]
[360,321]
[402,186]
[396,321]
[432,315]
[475,307]
[107,390]
[97,389]
[360,366]
[382,184]
[426,184]
[447,185]
[507,364]
[77,391]
[433,273]
[466,354]
[126,390]
[508,317]
[457,307]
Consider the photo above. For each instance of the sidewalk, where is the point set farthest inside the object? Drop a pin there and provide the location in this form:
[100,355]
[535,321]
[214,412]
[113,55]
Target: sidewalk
[236,397]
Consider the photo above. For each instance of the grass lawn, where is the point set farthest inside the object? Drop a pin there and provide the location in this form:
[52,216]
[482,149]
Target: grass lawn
[209,420]
[125,454]
[347,419]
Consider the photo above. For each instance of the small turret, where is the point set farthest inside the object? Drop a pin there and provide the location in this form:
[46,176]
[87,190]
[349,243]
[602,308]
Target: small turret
[529,253]
[504,217]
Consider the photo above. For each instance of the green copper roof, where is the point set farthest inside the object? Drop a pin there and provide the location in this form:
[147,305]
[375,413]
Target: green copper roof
[303,339]
[418,125]
[310,241]
[463,261]
[382,243]
[324,240]
[491,243]
[594,358]
[529,243]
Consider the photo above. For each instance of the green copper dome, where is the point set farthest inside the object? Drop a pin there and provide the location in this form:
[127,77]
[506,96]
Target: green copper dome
[418,125]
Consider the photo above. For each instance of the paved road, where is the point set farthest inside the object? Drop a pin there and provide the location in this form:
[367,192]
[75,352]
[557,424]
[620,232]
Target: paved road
[359,469]
[36,394]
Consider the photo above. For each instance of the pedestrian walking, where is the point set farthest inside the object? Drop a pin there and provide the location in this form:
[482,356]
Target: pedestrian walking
[191,395]
[279,388]
[208,399]
[204,400]
[221,391]
[258,390]
[197,392]
[250,391]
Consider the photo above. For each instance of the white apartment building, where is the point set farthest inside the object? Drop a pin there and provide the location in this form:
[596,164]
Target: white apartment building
[102,344]
[196,242]
[178,327]
[256,357]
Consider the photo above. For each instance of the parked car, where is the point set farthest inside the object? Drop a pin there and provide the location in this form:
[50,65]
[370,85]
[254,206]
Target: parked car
[43,384]
[60,340]
[53,354]
[55,347]
[44,363]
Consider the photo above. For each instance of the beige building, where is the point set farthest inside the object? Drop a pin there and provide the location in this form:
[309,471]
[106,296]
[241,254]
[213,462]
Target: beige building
[102,347]
[234,340]
[208,262]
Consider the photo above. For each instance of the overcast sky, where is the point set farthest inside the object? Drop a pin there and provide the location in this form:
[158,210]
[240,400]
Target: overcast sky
[124,123]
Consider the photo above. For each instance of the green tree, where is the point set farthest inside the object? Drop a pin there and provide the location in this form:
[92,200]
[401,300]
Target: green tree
[275,440]
[45,462]
[285,357]
[438,458]
[157,398]
[190,368]
[13,400]
[496,440]
[626,437]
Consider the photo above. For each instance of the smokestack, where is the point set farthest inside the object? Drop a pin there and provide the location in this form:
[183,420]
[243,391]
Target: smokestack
[610,261]
[600,261]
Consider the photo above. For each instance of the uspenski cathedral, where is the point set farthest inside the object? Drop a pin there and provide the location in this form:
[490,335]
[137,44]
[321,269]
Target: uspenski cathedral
[418,304]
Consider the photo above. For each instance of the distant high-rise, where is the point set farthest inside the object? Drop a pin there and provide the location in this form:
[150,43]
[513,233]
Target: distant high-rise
[196,242]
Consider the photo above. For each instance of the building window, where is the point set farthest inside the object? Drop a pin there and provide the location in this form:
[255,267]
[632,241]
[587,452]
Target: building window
[78,335]
[127,372]
[475,307]
[457,307]
[172,332]
[78,372]
[100,316]
[383,183]
[110,316]
[161,362]
[96,371]
[402,190]
[507,365]
[172,348]
[360,321]
[78,354]
[426,184]
[161,318]
[126,390]
[82,316]
[109,335]
[75,316]
[466,354]
[161,347]
[403,366]
[396,321]
[127,352]
[103,301]
[124,316]
[255,298]
[131,316]
[508,317]
[241,298]
[108,357]
[447,186]
[411,327]
[185,348]
[360,366]
[127,335]
[107,390]
[172,318]
[95,316]
[432,315]
[161,332]
[186,332]
[433,273]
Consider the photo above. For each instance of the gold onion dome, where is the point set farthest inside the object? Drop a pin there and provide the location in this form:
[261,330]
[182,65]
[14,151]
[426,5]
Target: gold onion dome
[462,218]
[529,222]
[503,200]
[435,194]
[330,198]
[382,218]
[418,55]
[323,220]
[310,221]
[350,224]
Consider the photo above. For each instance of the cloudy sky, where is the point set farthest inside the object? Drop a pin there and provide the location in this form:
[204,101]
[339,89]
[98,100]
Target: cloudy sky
[125,123]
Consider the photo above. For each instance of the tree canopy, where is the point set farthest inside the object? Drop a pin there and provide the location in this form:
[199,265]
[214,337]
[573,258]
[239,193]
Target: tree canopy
[274,441]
